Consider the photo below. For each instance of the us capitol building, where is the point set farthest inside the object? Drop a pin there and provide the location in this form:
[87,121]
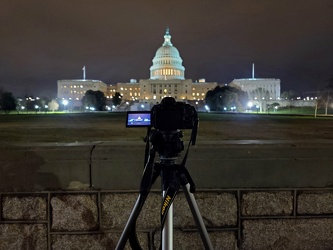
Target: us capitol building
[167,78]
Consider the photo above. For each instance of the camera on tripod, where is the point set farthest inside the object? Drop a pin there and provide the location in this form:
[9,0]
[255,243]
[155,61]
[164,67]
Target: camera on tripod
[168,115]
[167,119]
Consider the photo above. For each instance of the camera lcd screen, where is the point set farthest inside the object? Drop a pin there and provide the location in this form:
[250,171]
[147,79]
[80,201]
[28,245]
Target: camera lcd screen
[138,119]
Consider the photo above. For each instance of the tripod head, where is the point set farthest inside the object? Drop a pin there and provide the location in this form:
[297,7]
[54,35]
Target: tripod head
[167,143]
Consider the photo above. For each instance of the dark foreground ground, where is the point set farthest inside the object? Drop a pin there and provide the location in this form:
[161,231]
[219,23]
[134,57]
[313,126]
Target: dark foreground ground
[89,127]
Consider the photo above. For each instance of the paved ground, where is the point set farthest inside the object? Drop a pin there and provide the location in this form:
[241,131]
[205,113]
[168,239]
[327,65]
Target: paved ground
[52,152]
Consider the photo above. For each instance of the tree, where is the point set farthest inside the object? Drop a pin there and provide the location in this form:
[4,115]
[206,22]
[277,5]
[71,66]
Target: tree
[226,98]
[7,102]
[290,96]
[116,99]
[53,105]
[324,97]
[327,94]
[100,100]
[94,100]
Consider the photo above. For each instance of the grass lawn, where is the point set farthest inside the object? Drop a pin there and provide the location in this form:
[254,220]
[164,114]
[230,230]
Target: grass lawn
[83,127]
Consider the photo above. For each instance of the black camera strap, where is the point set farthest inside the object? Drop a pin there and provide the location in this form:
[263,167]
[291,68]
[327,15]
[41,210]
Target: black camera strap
[185,171]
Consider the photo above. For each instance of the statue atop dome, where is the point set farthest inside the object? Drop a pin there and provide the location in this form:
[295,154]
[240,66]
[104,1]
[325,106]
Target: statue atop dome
[167,38]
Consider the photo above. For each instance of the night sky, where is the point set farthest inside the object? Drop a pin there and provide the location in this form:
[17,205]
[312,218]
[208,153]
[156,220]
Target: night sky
[45,41]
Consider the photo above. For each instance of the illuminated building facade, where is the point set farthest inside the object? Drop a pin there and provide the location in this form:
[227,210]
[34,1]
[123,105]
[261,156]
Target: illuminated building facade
[167,78]
[74,90]
[261,91]
[259,87]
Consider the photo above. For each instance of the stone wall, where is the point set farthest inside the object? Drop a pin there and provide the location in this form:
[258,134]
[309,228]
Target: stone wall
[235,219]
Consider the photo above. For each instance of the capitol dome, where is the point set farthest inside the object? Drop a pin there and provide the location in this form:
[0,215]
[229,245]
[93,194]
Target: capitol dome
[167,63]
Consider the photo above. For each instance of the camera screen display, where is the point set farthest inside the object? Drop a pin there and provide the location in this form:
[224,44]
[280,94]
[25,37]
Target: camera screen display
[138,119]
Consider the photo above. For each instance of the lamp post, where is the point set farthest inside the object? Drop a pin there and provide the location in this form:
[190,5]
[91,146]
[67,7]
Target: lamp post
[65,103]
[37,108]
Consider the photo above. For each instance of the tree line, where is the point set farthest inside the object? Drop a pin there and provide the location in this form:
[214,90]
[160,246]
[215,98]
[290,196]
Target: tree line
[94,99]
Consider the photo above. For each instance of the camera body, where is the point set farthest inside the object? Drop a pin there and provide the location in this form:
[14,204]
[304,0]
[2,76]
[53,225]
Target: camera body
[172,115]
[168,115]
[168,118]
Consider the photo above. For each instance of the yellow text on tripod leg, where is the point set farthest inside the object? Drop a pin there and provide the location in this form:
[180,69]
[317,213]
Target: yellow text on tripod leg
[165,203]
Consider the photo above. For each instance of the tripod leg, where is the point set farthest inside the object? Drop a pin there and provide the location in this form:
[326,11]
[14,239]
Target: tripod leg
[197,217]
[129,225]
[167,231]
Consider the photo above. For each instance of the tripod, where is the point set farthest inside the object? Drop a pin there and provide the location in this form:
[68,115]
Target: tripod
[168,144]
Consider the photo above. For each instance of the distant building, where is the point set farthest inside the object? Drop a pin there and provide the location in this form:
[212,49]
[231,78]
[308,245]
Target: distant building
[260,91]
[74,90]
[265,87]
[167,78]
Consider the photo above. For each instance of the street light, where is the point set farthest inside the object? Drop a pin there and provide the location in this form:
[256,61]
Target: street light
[65,103]
[257,108]
[37,108]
